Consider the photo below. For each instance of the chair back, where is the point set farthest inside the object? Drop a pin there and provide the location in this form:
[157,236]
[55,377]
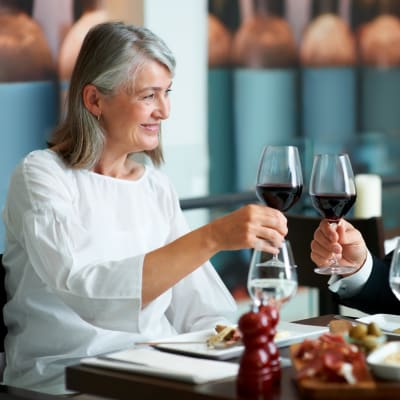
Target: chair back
[301,232]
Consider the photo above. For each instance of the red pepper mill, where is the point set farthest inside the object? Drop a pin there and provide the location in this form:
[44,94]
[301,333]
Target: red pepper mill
[255,377]
[273,317]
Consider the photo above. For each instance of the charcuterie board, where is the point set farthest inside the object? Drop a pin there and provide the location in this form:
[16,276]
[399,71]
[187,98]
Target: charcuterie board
[370,388]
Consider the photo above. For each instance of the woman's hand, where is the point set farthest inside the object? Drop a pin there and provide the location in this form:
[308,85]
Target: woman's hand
[343,241]
[252,226]
[248,227]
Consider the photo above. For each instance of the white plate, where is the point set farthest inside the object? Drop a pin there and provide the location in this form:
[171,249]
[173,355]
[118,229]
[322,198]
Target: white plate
[382,369]
[288,333]
[386,322]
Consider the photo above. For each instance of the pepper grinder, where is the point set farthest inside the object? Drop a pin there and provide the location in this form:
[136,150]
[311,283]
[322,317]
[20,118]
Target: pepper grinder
[254,379]
[272,314]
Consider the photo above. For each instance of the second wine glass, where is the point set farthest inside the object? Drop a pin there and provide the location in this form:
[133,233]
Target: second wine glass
[274,283]
[333,193]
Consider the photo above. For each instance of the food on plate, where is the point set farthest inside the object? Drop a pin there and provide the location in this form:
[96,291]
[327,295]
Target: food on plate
[367,337]
[393,359]
[340,326]
[330,358]
[225,336]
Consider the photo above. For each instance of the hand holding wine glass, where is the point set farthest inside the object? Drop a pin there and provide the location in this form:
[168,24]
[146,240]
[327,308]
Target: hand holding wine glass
[333,193]
[279,179]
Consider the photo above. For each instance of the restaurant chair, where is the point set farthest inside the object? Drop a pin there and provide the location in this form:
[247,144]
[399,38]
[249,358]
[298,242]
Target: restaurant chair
[301,232]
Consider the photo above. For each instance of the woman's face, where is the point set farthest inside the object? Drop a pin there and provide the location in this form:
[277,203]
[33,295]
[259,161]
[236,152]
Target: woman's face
[132,120]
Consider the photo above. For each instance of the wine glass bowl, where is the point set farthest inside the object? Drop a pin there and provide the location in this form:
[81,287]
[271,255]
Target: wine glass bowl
[279,177]
[270,282]
[333,193]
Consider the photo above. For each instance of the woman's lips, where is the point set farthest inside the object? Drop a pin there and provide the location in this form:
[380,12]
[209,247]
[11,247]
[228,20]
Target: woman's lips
[151,127]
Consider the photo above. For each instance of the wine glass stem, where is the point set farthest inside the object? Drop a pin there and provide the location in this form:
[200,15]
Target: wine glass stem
[333,260]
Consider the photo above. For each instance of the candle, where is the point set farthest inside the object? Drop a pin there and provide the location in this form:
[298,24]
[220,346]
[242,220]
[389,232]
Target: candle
[369,196]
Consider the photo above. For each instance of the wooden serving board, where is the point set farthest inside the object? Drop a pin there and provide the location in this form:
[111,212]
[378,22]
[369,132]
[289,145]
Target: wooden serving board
[370,389]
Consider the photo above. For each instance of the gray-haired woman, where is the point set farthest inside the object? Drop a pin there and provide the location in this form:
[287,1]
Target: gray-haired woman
[98,253]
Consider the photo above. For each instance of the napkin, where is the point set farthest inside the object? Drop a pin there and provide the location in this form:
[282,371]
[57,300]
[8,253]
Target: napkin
[157,363]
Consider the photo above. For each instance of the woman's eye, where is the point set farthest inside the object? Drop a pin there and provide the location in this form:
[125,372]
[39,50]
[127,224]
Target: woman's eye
[149,96]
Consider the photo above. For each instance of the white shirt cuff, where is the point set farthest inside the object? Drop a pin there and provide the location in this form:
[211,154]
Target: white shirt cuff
[351,285]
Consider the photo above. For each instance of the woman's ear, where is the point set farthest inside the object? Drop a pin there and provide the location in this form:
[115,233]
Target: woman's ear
[91,100]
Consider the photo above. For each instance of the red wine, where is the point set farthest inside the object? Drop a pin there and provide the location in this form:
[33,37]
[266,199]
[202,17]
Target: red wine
[279,196]
[333,206]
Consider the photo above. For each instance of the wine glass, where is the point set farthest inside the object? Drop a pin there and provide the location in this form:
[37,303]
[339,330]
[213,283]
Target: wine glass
[272,283]
[394,273]
[333,193]
[279,178]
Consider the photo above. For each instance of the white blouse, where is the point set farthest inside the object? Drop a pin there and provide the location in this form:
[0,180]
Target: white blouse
[74,254]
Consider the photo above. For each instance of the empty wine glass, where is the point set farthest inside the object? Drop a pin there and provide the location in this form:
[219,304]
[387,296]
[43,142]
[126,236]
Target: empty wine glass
[279,178]
[272,283]
[394,274]
[333,193]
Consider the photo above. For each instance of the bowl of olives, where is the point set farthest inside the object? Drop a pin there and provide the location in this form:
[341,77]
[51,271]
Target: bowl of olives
[366,336]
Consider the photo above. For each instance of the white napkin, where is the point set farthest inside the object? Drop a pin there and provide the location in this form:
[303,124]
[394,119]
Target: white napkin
[158,363]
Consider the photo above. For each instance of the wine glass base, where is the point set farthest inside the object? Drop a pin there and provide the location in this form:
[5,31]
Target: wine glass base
[338,270]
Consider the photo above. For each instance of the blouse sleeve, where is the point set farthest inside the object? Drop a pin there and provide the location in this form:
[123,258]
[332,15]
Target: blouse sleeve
[41,216]
[210,300]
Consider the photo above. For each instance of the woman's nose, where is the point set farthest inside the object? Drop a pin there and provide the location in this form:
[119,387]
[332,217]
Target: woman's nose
[163,107]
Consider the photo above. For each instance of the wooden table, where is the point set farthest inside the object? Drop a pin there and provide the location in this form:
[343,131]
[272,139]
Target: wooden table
[121,385]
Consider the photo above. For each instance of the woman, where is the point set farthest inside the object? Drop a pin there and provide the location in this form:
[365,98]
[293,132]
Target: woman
[98,253]
[367,289]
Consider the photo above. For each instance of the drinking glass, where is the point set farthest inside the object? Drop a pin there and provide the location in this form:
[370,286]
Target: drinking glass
[274,283]
[394,274]
[279,178]
[333,193]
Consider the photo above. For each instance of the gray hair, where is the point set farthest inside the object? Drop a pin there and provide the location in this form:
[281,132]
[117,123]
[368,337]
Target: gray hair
[110,55]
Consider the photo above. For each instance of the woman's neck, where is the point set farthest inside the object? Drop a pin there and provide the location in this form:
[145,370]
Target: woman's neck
[125,168]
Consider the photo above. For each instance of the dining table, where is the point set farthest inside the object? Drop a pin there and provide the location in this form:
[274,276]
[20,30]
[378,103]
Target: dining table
[117,384]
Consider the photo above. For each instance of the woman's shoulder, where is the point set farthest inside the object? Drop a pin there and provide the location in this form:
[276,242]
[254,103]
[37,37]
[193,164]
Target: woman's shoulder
[41,165]
[44,159]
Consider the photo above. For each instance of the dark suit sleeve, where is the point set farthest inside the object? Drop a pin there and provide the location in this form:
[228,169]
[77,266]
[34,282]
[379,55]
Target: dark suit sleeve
[376,295]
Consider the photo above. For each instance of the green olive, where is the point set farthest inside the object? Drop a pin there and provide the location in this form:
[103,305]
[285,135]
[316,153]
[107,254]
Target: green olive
[358,331]
[373,329]
[370,342]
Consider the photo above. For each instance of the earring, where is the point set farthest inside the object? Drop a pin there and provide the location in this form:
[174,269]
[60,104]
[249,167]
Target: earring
[98,117]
